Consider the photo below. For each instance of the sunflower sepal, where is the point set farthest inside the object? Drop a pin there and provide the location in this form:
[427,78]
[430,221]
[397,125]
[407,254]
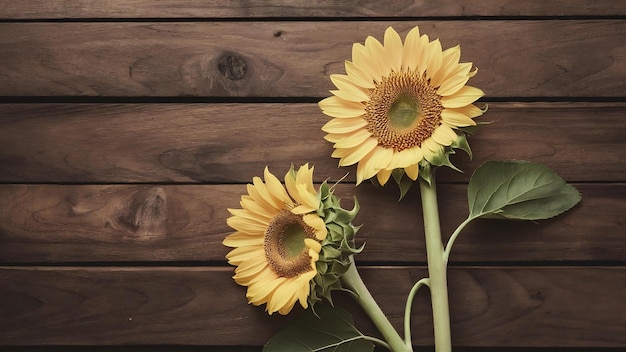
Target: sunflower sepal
[471,130]
[462,143]
[337,248]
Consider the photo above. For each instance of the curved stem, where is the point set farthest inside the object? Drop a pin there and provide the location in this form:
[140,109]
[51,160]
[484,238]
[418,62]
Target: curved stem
[378,341]
[407,309]
[455,234]
[352,281]
[436,267]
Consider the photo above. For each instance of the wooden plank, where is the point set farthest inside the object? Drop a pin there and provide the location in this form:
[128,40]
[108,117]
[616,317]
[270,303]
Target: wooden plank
[179,348]
[294,59]
[233,142]
[128,223]
[57,9]
[505,306]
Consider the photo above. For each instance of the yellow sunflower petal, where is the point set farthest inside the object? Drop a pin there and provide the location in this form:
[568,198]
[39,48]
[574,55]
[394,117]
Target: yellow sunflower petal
[344,84]
[466,95]
[246,225]
[422,64]
[456,119]
[316,223]
[450,60]
[344,125]
[244,253]
[470,110]
[239,239]
[276,189]
[282,296]
[429,145]
[248,275]
[412,52]
[371,163]
[406,157]
[359,76]
[289,305]
[461,69]
[258,192]
[313,244]
[247,254]
[434,58]
[431,149]
[337,107]
[266,194]
[383,176]
[260,211]
[354,139]
[452,85]
[246,214]
[412,171]
[308,202]
[393,49]
[261,292]
[444,135]
[254,272]
[336,137]
[350,156]
[376,52]
[346,95]
[305,288]
[304,176]
[360,57]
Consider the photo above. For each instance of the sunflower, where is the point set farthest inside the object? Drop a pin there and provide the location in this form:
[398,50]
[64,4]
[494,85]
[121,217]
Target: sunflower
[399,104]
[277,240]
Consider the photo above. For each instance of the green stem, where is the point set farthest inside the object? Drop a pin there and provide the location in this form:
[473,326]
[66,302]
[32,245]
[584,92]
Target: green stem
[352,281]
[407,309]
[377,341]
[455,234]
[436,267]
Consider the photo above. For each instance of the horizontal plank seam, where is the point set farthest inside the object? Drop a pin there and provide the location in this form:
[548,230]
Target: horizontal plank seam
[367,264]
[331,181]
[247,348]
[267,100]
[319,19]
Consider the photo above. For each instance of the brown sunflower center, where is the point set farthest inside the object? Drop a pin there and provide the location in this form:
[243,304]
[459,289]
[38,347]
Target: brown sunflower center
[403,110]
[284,246]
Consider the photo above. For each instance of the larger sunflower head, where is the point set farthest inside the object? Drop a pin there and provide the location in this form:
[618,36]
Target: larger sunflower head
[281,241]
[400,106]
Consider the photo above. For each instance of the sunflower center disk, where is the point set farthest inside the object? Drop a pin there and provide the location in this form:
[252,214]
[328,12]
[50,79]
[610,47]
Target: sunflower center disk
[285,250]
[403,110]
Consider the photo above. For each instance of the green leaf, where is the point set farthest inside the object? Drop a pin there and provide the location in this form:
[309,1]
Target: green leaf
[327,329]
[518,190]
[462,143]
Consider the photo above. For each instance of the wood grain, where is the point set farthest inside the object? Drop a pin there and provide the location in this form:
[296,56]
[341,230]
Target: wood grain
[226,143]
[57,9]
[294,59]
[152,223]
[506,306]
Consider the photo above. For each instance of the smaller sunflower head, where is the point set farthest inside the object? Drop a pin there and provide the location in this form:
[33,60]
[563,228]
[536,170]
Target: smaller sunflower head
[281,240]
[400,107]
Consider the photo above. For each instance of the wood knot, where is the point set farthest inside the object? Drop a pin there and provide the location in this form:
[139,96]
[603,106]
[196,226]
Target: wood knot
[232,66]
[145,215]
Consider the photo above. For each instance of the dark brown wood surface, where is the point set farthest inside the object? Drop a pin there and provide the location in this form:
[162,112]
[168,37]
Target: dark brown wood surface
[229,143]
[528,58]
[503,306]
[58,9]
[127,128]
[122,223]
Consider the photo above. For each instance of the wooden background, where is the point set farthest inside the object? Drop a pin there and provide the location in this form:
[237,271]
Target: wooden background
[128,127]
